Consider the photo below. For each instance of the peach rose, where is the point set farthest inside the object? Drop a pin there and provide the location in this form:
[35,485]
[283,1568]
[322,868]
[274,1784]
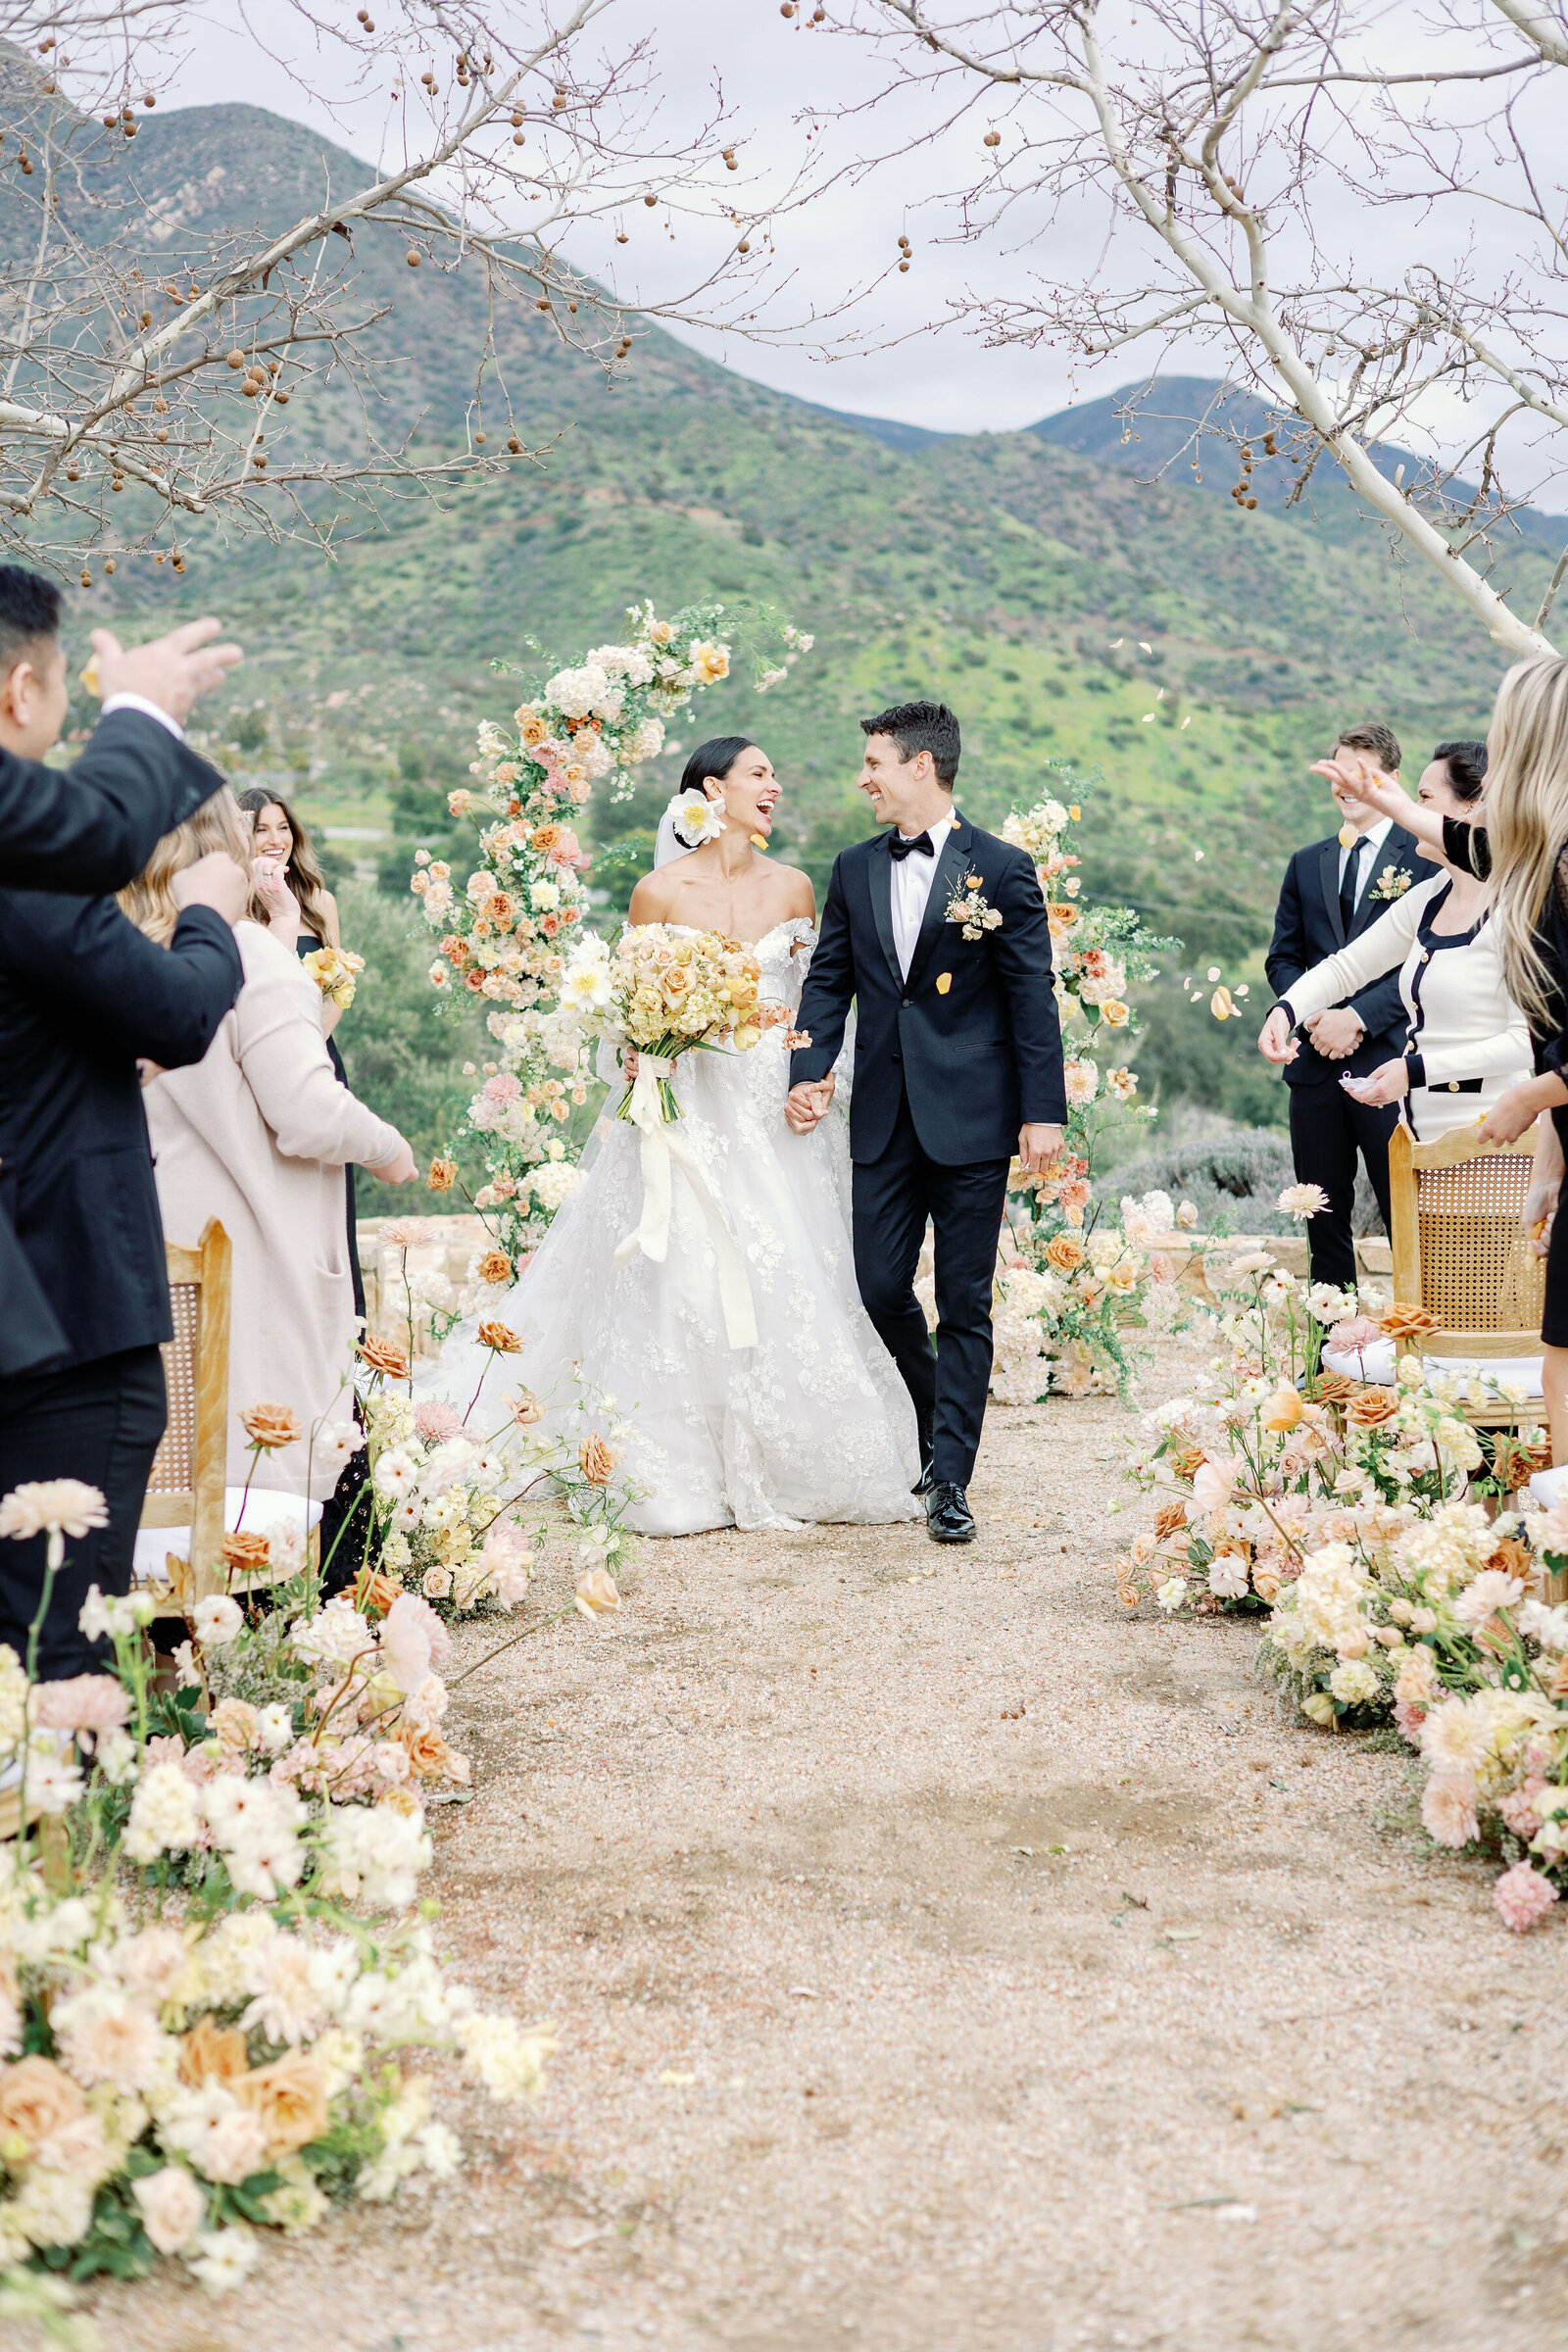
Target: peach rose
[596,1461]
[1065,1254]
[494,1267]
[1372,1408]
[244,1549]
[443,1175]
[501,1337]
[430,1756]
[211,2053]
[271,1426]
[384,1357]
[288,2098]
[1408,1322]
[37,2098]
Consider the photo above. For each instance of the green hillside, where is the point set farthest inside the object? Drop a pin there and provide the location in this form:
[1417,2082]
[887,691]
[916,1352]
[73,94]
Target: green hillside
[1007,573]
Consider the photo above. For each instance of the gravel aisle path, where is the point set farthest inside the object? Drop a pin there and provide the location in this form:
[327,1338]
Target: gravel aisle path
[948,1963]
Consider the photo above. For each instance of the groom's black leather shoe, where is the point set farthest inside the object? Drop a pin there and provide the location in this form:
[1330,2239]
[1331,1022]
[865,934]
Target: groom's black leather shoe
[927,1432]
[947,1516]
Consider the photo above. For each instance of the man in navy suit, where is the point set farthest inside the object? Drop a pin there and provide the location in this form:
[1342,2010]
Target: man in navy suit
[957,1065]
[1332,892]
[82,994]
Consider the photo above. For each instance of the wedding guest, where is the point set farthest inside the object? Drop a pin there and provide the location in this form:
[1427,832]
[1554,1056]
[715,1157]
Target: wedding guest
[85,828]
[1467,1042]
[82,995]
[1524,848]
[302,912]
[89,826]
[1334,890]
[257,1136]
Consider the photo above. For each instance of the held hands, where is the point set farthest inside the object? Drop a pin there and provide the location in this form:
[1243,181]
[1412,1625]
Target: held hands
[807,1103]
[213,881]
[1039,1146]
[172,672]
[1336,1033]
[1386,1085]
[400,1169]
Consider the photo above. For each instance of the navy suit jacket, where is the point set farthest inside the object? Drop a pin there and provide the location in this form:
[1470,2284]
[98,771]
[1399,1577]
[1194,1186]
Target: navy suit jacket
[1309,926]
[91,826]
[971,1037]
[83,993]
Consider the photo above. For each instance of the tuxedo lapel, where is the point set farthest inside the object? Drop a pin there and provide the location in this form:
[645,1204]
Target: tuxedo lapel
[1329,874]
[880,882]
[1391,853]
[950,865]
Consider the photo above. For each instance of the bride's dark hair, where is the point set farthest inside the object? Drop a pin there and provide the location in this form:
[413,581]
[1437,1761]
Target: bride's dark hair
[713,761]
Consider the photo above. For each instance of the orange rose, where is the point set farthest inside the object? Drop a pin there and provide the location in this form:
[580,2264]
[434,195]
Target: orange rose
[373,1592]
[428,1754]
[1187,1461]
[499,1338]
[1372,1408]
[37,2098]
[1408,1322]
[288,2098]
[1333,1388]
[244,1549]
[211,2053]
[495,1267]
[269,1425]
[1065,1254]
[1171,1519]
[384,1357]
[443,1175]
[596,1460]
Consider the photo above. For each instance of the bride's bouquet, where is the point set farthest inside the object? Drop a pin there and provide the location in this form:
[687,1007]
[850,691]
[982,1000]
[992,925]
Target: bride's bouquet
[675,992]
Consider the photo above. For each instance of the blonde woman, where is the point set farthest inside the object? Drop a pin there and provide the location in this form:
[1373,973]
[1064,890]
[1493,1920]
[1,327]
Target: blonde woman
[1524,848]
[257,1136]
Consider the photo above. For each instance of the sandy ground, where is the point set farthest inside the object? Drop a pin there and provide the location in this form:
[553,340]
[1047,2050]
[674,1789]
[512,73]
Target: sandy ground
[951,1962]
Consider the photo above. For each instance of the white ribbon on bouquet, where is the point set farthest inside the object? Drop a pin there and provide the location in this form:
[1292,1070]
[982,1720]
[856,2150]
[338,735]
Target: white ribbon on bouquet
[663,1147]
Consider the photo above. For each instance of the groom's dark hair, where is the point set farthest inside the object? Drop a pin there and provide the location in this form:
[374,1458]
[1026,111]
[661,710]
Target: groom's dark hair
[921,727]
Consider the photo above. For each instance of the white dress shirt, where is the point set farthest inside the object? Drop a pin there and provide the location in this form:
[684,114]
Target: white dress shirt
[139,701]
[913,878]
[1377,836]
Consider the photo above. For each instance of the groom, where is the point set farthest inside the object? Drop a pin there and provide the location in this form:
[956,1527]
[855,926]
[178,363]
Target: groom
[957,1063]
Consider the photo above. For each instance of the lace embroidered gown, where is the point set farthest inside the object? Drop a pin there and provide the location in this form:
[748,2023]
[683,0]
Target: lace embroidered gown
[813,1423]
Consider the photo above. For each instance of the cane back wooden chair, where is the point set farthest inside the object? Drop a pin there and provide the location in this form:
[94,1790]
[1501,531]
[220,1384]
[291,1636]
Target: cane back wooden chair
[1459,1249]
[186,1486]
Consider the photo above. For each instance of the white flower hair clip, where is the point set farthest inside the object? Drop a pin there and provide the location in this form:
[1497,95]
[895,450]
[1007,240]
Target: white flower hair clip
[695,818]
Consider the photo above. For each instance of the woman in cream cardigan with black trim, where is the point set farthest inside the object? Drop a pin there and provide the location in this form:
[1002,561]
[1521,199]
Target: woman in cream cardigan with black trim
[257,1135]
[1467,1043]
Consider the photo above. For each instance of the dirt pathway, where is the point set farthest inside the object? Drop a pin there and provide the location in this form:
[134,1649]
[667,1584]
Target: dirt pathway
[942,1961]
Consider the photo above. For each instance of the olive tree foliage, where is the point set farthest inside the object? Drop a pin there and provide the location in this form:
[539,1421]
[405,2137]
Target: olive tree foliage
[147,363]
[1359,209]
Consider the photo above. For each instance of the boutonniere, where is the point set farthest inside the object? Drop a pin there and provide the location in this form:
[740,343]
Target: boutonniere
[1391,884]
[968,905]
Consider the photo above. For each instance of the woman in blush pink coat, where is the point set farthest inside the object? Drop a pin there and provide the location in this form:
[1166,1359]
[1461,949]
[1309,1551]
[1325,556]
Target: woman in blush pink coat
[257,1135]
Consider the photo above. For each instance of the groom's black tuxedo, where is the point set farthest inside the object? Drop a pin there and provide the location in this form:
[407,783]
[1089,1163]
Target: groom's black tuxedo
[975,1059]
[950,1061]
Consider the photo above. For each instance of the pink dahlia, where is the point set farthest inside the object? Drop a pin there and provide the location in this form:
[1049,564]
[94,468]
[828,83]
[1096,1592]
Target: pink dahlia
[1523,1897]
[436,1421]
[86,1702]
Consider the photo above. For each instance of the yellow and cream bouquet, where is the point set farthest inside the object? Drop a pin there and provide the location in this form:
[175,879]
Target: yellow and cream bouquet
[335,972]
[673,992]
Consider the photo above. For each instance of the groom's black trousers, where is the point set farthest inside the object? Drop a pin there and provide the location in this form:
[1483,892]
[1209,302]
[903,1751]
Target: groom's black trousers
[894,1196]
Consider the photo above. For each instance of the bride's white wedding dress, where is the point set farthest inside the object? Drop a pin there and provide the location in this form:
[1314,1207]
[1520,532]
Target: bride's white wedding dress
[813,1423]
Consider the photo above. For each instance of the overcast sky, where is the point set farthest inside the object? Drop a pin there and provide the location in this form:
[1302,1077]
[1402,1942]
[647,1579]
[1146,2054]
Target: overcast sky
[781,81]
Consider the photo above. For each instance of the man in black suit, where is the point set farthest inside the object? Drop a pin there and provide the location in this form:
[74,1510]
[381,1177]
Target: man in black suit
[957,1065]
[82,994]
[91,826]
[1332,892]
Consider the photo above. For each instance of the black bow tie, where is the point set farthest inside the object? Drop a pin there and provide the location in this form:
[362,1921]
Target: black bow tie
[919,846]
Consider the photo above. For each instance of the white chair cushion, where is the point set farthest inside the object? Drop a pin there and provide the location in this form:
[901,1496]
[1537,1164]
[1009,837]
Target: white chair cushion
[1378,1364]
[265,1511]
[1548,1487]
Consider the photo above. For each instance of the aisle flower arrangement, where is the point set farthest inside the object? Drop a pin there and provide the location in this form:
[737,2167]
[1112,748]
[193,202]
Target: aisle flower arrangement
[506,928]
[1272,1458]
[1072,1281]
[199,2008]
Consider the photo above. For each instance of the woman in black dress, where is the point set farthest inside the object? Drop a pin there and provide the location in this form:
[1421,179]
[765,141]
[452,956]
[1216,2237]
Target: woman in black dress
[1524,848]
[302,912]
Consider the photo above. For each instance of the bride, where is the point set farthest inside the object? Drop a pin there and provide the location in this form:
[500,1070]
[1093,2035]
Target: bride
[811,1423]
